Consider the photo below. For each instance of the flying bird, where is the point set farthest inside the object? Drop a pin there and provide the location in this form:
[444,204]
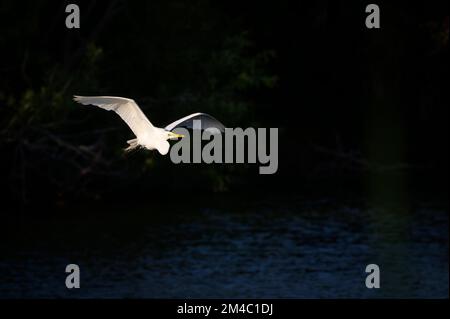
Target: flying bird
[147,135]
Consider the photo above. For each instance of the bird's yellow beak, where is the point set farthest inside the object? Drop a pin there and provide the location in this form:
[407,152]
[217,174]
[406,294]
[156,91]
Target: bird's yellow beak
[175,135]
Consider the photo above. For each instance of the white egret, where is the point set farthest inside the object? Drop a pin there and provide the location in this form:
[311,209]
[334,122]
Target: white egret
[147,135]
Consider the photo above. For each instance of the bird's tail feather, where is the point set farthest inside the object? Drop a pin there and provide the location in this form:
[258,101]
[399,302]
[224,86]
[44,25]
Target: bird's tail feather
[133,144]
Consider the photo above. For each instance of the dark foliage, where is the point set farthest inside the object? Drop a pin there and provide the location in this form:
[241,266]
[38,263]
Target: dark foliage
[351,103]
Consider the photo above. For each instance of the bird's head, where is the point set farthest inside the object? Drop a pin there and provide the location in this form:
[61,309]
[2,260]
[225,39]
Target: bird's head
[173,136]
[159,140]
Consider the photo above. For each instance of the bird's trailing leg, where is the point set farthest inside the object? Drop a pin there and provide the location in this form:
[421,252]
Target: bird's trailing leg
[133,144]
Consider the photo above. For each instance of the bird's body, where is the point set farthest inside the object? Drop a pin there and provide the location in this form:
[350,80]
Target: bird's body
[151,140]
[147,135]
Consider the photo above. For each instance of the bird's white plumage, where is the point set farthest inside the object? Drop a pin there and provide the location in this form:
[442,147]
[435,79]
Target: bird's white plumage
[127,109]
[147,135]
[207,121]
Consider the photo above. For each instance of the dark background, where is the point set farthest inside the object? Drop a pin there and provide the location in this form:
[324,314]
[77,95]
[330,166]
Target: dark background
[354,106]
[363,149]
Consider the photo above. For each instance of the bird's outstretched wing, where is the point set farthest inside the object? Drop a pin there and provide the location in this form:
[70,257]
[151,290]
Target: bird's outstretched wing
[206,121]
[127,109]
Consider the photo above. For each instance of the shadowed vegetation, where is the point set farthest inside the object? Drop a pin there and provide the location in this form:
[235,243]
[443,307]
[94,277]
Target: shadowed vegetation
[351,104]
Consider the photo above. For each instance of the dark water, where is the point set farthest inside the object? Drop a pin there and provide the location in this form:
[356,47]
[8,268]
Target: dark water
[277,250]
